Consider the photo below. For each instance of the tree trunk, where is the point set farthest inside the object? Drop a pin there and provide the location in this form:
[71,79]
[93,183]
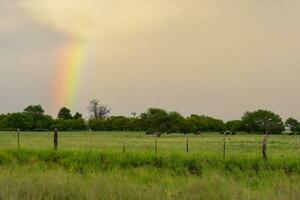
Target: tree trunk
[264,147]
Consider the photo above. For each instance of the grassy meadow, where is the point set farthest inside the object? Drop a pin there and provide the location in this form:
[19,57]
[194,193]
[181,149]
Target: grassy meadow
[93,165]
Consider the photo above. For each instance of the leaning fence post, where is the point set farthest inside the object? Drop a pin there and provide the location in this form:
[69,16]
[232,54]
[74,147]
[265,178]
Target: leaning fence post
[55,140]
[18,132]
[224,146]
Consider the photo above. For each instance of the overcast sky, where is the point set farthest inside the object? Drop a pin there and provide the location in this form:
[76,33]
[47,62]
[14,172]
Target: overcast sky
[212,57]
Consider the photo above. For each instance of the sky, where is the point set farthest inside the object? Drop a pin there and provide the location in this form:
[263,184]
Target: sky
[213,57]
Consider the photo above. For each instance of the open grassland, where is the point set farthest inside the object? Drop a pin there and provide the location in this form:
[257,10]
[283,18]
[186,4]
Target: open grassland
[210,143]
[92,165]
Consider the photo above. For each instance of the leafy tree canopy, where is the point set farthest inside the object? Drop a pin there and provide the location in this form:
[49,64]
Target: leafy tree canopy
[64,113]
[263,120]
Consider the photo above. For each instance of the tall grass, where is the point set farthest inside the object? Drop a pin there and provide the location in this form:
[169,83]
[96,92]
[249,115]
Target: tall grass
[143,183]
[196,164]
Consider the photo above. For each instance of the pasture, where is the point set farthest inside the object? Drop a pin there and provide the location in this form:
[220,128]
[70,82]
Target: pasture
[94,165]
[138,142]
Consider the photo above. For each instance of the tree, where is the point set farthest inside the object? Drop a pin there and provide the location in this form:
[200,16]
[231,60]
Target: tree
[118,123]
[103,111]
[35,112]
[93,108]
[97,110]
[134,114]
[155,121]
[266,121]
[69,125]
[18,120]
[3,118]
[78,116]
[64,113]
[189,126]
[175,123]
[234,125]
[44,123]
[205,123]
[292,124]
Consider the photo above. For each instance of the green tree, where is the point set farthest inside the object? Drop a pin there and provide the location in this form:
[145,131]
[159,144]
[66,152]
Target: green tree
[292,124]
[118,123]
[175,123]
[204,123]
[263,120]
[18,120]
[35,112]
[155,121]
[97,124]
[64,113]
[190,126]
[69,125]
[78,116]
[135,124]
[3,118]
[234,125]
[44,123]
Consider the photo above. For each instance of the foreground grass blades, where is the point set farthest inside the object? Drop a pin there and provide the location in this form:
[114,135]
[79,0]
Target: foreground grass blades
[143,183]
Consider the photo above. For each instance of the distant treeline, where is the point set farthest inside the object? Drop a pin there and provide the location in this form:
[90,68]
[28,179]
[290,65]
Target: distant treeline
[154,121]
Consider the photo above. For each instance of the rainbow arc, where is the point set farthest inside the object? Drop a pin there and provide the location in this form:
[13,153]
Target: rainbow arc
[70,67]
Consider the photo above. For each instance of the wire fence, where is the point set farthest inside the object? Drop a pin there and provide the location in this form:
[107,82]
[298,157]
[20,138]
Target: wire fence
[131,142]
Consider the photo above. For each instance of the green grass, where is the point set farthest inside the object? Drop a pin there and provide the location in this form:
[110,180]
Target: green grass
[279,145]
[92,165]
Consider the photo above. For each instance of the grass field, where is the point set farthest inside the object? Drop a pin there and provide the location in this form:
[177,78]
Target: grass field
[92,165]
[210,143]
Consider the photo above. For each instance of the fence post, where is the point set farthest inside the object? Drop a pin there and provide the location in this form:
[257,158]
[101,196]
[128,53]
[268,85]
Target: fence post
[155,148]
[55,140]
[18,132]
[187,143]
[124,142]
[224,147]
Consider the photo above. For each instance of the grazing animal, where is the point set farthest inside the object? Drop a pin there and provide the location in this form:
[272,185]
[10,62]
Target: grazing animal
[227,133]
[198,133]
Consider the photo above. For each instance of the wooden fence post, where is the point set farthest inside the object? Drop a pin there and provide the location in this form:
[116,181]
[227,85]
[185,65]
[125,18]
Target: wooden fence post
[124,143]
[18,132]
[224,147]
[55,140]
[187,143]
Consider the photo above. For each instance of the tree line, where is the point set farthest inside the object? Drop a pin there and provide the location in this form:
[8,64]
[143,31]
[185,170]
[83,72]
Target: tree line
[154,121]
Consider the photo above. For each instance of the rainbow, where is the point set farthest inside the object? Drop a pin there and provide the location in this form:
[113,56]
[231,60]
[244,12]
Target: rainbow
[68,75]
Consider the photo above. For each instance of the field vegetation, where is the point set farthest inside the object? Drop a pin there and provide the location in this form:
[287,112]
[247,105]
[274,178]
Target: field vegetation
[93,165]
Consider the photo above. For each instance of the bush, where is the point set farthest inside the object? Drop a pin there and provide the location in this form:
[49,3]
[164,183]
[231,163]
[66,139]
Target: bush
[69,125]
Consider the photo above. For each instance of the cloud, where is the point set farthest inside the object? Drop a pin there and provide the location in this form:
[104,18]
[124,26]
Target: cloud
[94,18]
